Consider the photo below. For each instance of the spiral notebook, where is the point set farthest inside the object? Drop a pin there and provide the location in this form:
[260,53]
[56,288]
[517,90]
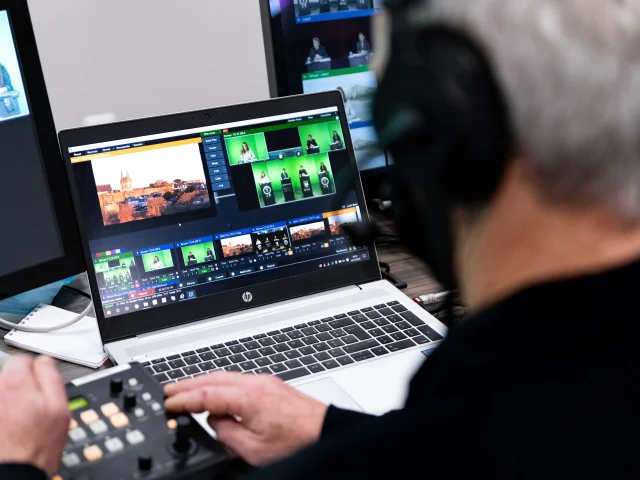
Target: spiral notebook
[79,343]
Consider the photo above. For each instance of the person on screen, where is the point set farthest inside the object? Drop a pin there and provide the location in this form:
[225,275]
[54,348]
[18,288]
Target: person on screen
[284,175]
[311,143]
[115,279]
[304,7]
[317,52]
[264,179]
[323,168]
[246,155]
[336,139]
[121,277]
[128,277]
[302,172]
[132,264]
[5,80]
[157,263]
[351,113]
[209,253]
[191,258]
[362,45]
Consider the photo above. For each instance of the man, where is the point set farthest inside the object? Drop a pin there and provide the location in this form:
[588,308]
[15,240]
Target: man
[304,7]
[284,175]
[317,52]
[312,145]
[5,80]
[302,172]
[541,381]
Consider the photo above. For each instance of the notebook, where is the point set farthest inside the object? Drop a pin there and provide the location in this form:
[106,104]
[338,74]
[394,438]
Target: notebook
[79,343]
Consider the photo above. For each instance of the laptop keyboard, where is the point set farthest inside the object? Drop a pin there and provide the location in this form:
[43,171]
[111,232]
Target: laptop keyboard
[305,349]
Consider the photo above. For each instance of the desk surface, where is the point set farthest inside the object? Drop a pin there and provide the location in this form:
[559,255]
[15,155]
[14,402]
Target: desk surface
[402,264]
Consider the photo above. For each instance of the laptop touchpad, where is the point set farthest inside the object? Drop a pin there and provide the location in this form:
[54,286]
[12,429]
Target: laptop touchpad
[330,393]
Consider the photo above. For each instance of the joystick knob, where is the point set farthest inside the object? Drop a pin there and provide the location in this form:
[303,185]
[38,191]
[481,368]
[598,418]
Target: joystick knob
[116,386]
[130,400]
[145,462]
[182,443]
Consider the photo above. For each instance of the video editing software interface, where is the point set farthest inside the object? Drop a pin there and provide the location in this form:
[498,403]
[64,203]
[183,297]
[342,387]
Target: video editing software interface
[23,180]
[328,45]
[181,215]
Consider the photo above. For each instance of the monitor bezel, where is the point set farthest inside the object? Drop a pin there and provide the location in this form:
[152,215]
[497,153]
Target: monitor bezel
[72,262]
[229,301]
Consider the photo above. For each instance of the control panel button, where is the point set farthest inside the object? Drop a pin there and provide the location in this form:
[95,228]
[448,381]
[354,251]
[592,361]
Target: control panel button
[146,396]
[73,424]
[70,460]
[120,420]
[130,400]
[99,427]
[182,443]
[116,386]
[109,409]
[89,416]
[114,445]
[172,424]
[92,453]
[138,412]
[77,435]
[133,382]
[156,407]
[145,462]
[135,437]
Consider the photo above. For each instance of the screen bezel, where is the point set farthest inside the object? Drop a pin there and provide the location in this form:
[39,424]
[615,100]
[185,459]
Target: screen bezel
[279,86]
[72,262]
[229,301]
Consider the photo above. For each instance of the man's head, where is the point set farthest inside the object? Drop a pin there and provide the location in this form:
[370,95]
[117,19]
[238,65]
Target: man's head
[569,74]
[316,43]
[361,37]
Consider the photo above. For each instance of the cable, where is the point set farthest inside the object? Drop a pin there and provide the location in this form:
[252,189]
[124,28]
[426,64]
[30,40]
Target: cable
[23,328]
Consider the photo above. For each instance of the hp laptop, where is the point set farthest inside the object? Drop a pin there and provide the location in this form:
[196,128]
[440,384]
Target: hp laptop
[214,241]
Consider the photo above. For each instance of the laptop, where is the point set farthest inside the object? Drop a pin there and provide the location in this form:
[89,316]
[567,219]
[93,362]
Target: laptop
[206,251]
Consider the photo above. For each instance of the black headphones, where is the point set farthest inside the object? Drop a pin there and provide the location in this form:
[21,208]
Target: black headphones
[441,114]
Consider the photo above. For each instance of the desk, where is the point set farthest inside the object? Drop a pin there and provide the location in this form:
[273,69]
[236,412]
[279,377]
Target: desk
[402,264]
[360,59]
[318,66]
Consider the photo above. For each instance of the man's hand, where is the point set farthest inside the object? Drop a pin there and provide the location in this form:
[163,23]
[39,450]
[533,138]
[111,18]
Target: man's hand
[34,417]
[260,418]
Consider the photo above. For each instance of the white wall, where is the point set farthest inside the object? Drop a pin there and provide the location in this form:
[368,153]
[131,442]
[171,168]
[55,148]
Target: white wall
[139,58]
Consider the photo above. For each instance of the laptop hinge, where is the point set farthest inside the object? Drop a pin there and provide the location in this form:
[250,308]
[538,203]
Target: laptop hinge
[319,298]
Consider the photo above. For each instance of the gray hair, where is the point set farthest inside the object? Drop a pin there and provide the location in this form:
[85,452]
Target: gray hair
[570,70]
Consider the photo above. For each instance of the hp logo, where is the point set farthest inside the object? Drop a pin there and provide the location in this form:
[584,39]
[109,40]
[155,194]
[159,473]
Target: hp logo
[325,181]
[247,297]
[267,191]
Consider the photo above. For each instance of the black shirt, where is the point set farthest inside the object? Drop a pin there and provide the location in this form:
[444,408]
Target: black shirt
[542,385]
[311,143]
[320,51]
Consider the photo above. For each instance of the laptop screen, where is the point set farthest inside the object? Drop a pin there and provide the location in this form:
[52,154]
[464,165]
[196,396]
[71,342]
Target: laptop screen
[175,216]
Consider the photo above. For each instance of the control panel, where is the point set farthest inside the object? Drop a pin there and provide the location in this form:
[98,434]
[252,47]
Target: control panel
[120,430]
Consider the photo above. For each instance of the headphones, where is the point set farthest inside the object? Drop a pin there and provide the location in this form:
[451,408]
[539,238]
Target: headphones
[440,113]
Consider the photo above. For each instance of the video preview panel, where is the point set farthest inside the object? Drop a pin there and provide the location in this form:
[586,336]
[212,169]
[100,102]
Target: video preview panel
[13,100]
[149,182]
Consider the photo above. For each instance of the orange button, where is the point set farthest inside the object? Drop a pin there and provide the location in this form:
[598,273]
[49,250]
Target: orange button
[109,409]
[120,420]
[89,416]
[57,477]
[92,453]
[73,424]
[172,424]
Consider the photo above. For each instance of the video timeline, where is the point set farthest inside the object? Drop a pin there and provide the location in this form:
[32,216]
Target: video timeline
[136,279]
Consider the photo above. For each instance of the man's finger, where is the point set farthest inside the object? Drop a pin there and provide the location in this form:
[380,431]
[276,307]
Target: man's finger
[218,400]
[50,381]
[17,375]
[233,434]
[214,379]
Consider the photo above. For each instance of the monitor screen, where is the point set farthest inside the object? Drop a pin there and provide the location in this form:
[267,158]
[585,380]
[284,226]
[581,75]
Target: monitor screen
[30,234]
[324,45]
[179,215]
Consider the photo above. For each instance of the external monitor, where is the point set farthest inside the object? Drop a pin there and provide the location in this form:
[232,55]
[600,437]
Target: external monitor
[39,243]
[319,45]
